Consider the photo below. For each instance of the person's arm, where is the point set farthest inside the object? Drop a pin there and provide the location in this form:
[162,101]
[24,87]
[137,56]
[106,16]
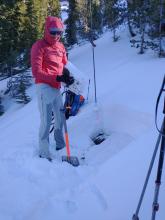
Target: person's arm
[64,59]
[36,63]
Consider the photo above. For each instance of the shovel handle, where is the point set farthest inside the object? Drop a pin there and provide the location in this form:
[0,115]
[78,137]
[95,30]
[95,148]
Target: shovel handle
[67,144]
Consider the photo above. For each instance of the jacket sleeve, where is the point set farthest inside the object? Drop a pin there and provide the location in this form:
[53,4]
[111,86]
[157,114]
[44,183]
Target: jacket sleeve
[37,53]
[65,59]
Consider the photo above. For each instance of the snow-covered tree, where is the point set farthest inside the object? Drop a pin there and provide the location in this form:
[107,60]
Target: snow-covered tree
[139,15]
[90,18]
[114,15]
[22,96]
[1,107]
[156,30]
[17,85]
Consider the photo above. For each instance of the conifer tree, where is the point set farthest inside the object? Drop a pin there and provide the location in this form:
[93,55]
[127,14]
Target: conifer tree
[22,97]
[139,14]
[9,34]
[90,23]
[83,8]
[54,8]
[113,15]
[1,107]
[71,24]
[161,44]
[129,12]
[31,28]
[17,85]
[96,17]
[156,30]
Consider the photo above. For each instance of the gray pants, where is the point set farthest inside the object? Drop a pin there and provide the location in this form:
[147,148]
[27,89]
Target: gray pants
[49,100]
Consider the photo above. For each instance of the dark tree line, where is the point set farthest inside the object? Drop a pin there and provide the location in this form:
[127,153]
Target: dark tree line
[21,23]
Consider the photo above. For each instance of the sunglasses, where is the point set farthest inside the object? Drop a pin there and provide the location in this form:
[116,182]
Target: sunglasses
[56,33]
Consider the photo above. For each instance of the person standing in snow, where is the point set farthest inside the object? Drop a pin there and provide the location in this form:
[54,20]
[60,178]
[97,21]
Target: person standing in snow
[48,58]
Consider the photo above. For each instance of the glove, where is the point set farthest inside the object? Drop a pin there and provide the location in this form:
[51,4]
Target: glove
[68,80]
[65,77]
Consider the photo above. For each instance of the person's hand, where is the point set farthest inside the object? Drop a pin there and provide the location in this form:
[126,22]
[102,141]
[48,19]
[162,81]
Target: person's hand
[65,77]
[68,80]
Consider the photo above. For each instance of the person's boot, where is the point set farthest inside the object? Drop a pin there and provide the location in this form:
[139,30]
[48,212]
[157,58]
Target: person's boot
[48,158]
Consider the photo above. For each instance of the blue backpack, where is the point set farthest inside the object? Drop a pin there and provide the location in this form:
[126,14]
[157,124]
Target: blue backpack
[72,103]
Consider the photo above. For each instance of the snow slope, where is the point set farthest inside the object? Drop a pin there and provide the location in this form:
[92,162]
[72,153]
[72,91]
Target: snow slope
[108,182]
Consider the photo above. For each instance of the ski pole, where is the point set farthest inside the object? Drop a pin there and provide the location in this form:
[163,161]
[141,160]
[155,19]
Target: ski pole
[88,89]
[93,50]
[135,216]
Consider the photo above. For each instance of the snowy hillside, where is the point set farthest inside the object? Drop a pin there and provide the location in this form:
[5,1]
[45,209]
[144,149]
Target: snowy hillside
[108,183]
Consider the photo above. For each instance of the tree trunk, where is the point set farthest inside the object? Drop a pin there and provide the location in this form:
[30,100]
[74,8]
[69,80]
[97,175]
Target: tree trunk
[142,39]
[161,52]
[130,27]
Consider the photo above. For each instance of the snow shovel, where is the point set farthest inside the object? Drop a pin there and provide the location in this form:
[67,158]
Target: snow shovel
[73,160]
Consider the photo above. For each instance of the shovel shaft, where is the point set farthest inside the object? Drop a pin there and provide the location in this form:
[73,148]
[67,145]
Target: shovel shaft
[67,144]
[66,136]
[70,159]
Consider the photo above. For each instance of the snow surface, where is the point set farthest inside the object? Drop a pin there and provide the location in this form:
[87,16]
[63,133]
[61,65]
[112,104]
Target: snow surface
[108,183]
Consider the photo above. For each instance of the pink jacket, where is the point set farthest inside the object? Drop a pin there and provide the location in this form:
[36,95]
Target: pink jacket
[48,55]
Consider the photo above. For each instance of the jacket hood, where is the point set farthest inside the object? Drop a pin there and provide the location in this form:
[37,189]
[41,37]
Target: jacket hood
[56,23]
